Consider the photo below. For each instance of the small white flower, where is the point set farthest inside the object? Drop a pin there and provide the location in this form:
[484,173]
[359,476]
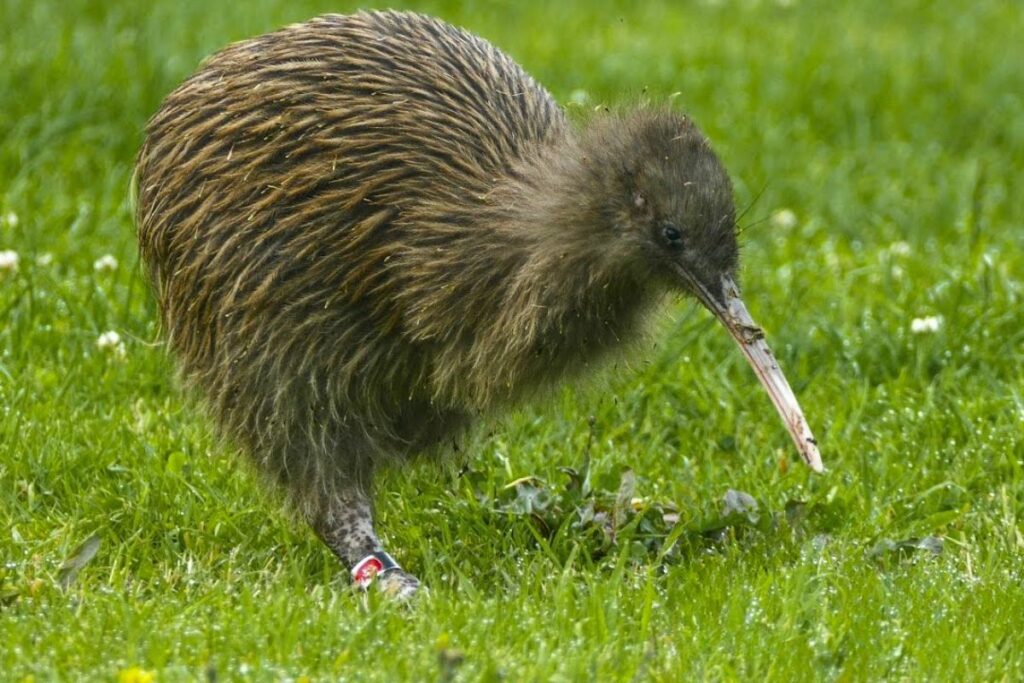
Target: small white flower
[8,260]
[11,219]
[110,341]
[105,263]
[44,259]
[931,323]
[579,97]
[784,219]
[900,248]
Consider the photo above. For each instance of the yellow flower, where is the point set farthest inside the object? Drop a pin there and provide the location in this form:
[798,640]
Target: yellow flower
[136,675]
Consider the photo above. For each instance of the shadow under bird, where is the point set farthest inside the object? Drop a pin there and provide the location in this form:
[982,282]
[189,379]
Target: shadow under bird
[366,232]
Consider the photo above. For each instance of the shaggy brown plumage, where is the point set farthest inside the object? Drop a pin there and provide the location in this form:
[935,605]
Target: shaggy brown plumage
[365,231]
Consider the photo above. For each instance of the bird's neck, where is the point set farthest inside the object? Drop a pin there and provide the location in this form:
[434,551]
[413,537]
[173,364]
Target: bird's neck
[552,209]
[557,297]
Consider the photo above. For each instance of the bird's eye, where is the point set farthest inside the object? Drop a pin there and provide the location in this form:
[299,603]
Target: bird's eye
[672,236]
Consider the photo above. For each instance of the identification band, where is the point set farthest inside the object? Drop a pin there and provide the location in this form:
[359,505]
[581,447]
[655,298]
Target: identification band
[367,569]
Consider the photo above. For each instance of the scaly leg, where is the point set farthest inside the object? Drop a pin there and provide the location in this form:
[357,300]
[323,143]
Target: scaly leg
[346,527]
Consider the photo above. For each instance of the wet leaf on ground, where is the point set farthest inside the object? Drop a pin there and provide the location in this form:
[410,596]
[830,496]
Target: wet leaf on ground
[905,548]
[80,557]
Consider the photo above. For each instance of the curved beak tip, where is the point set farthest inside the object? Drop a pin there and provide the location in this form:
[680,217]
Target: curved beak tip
[814,462]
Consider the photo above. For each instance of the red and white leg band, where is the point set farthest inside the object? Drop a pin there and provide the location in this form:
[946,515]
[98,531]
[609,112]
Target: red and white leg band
[367,569]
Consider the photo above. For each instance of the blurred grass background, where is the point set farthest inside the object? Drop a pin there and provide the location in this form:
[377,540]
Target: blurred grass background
[878,149]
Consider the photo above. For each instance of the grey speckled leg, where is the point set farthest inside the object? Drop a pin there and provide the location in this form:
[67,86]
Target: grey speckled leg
[346,527]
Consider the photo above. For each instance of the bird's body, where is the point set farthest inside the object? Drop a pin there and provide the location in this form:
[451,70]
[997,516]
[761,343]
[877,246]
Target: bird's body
[366,231]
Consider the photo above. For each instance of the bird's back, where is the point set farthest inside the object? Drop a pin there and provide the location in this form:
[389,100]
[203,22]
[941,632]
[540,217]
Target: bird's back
[348,116]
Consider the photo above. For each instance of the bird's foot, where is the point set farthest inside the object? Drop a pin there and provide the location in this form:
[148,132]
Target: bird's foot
[398,585]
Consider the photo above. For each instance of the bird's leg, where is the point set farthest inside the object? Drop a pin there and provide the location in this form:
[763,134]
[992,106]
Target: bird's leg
[345,525]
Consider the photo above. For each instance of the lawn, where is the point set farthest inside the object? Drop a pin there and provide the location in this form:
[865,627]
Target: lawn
[877,149]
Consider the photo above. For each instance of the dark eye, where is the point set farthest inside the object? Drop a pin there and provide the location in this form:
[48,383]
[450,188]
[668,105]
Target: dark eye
[672,236]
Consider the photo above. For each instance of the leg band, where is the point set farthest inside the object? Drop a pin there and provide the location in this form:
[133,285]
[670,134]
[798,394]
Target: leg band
[366,569]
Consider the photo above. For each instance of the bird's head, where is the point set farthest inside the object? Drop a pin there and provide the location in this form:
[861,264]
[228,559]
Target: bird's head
[666,205]
[665,199]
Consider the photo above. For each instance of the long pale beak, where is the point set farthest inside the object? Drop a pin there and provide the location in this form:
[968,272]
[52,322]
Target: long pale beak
[732,313]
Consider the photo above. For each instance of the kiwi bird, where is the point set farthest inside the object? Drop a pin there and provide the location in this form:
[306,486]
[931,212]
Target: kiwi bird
[366,232]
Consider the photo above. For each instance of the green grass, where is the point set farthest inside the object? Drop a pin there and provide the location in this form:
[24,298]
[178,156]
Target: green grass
[876,123]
